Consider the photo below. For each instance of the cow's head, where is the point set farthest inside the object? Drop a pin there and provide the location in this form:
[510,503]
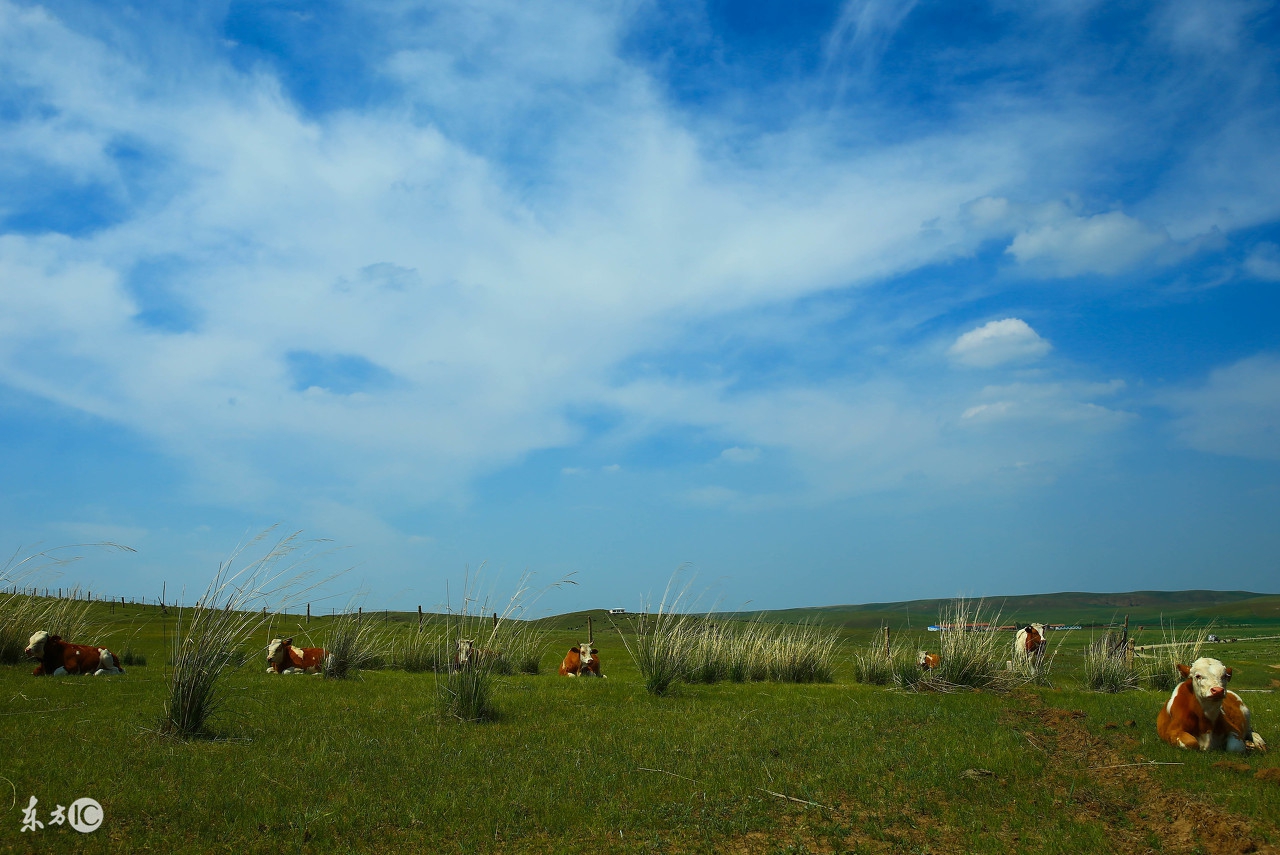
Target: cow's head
[1209,679]
[35,648]
[278,652]
[466,647]
[588,654]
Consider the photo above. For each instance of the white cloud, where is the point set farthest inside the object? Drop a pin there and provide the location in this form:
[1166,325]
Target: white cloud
[1063,244]
[998,343]
[1264,262]
[1236,411]
[740,455]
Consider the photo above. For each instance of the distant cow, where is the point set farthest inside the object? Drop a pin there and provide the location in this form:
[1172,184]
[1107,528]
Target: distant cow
[928,661]
[57,657]
[1029,644]
[284,658]
[1202,714]
[581,661]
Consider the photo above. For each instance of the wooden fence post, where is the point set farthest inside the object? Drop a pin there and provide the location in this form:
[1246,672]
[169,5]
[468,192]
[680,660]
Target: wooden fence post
[308,613]
[419,618]
[886,642]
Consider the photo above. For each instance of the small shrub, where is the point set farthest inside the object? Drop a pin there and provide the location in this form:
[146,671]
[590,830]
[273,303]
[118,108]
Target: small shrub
[424,649]
[131,659]
[876,667]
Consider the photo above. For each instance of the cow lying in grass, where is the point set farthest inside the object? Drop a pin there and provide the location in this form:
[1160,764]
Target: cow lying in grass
[1202,714]
[284,658]
[928,661]
[581,661]
[58,657]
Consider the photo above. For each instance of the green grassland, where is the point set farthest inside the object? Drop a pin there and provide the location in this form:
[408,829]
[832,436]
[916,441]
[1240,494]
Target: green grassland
[304,764]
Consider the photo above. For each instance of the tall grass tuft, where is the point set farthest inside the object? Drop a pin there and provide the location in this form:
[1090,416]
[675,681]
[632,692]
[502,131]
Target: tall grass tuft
[1161,665]
[1108,666]
[877,667]
[353,644]
[210,637]
[661,641]
[970,658]
[424,648]
[501,644]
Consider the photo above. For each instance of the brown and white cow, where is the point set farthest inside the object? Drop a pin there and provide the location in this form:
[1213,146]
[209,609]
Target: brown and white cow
[58,657]
[284,658]
[1201,713]
[928,661]
[1029,644]
[581,661]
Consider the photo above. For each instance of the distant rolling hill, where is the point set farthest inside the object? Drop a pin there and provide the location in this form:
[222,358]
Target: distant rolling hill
[1142,607]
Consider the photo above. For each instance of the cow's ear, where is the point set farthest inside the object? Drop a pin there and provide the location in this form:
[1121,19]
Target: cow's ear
[54,638]
[1184,670]
[594,651]
[1226,675]
[287,641]
[573,649]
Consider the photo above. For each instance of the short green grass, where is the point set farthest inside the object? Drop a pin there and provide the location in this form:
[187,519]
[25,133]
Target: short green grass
[305,764]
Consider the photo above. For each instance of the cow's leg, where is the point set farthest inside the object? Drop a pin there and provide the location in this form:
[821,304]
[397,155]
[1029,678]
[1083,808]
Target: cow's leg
[1186,740]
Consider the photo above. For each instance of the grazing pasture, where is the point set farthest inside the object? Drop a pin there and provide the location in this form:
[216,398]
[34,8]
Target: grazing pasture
[371,764]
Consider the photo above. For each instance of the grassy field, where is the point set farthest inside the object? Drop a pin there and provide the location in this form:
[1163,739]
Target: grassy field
[369,765]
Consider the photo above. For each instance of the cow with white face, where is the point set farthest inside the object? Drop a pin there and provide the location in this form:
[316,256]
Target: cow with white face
[56,657]
[284,658]
[581,661]
[1202,714]
[1029,644]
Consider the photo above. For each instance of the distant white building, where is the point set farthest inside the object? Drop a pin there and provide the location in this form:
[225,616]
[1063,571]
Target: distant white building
[617,611]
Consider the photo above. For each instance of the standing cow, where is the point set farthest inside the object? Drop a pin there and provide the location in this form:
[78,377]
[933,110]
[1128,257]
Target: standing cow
[1201,713]
[1029,644]
[284,658]
[58,657]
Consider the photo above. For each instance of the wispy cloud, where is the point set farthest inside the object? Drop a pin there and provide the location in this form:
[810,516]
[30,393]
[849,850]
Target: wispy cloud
[999,342]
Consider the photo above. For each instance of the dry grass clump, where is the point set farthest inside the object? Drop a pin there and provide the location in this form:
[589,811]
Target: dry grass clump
[209,639]
[970,658]
[1110,666]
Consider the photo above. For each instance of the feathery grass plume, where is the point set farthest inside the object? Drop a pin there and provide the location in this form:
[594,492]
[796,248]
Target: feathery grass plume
[1163,659]
[22,614]
[353,644]
[1108,667]
[661,640]
[972,653]
[210,637]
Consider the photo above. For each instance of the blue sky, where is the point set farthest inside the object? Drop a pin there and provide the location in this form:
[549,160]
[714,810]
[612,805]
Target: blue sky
[833,302]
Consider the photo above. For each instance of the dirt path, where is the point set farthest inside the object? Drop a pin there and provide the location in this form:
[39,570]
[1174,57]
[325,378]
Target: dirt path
[1136,807]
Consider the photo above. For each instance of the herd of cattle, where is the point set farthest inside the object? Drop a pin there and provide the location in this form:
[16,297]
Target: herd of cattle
[1200,713]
